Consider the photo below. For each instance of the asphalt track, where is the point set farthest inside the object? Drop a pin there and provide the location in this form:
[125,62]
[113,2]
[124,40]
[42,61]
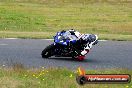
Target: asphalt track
[107,54]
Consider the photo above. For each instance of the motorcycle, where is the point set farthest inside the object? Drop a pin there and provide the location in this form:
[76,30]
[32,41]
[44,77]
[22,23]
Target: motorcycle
[64,46]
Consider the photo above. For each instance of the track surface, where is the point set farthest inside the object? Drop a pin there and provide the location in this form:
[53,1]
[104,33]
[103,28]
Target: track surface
[107,54]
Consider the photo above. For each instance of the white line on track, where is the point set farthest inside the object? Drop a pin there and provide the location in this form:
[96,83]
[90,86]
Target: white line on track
[11,38]
[48,39]
[53,39]
[103,40]
[3,44]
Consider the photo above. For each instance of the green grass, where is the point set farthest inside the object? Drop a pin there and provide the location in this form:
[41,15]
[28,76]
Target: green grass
[53,78]
[43,18]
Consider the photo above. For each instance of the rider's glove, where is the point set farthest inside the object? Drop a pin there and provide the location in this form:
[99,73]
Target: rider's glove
[95,42]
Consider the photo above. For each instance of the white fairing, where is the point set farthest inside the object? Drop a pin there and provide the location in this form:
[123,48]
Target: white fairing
[84,52]
[78,35]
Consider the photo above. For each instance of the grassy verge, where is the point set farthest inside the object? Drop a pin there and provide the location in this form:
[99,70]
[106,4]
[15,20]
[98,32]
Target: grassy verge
[43,18]
[48,35]
[53,78]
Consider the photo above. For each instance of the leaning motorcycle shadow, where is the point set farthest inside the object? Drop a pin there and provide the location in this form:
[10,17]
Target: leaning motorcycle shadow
[71,59]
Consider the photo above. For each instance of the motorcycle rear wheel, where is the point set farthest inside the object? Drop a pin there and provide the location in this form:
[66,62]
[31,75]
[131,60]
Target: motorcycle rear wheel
[80,58]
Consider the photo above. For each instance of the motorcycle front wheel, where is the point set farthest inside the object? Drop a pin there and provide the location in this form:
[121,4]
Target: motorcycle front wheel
[48,51]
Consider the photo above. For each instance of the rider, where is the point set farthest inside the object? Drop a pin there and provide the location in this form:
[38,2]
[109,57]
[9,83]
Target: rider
[88,39]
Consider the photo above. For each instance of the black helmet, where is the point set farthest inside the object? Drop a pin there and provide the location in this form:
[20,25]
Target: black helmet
[91,38]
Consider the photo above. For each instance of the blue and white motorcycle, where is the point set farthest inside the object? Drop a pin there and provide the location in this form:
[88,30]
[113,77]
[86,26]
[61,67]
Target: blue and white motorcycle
[66,45]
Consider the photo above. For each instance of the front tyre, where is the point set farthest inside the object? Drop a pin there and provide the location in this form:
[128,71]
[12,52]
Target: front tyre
[48,51]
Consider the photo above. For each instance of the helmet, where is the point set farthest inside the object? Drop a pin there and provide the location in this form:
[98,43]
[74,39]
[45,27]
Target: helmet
[91,38]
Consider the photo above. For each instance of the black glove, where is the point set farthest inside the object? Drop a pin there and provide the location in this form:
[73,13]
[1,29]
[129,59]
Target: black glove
[95,42]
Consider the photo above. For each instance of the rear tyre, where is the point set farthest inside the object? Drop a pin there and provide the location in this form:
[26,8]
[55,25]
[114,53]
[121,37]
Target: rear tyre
[48,51]
[80,58]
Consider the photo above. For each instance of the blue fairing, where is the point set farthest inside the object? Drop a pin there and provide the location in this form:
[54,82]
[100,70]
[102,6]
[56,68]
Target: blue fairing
[59,38]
